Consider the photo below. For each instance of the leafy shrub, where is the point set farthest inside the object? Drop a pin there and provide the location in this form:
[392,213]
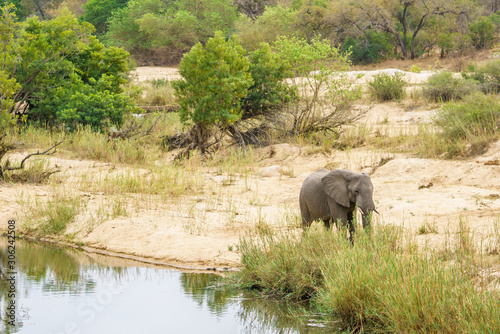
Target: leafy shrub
[415,69]
[487,76]
[481,32]
[469,126]
[368,48]
[214,80]
[66,75]
[324,94]
[444,87]
[268,90]
[385,87]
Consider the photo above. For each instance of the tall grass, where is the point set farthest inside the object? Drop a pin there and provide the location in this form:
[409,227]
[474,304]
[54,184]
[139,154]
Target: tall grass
[167,181]
[87,144]
[382,284]
[463,128]
[50,217]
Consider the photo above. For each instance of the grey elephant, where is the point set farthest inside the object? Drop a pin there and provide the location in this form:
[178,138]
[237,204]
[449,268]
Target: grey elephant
[334,195]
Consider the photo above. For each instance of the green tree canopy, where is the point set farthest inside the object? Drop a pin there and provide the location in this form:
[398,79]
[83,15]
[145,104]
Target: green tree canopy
[145,24]
[97,12]
[214,80]
[62,72]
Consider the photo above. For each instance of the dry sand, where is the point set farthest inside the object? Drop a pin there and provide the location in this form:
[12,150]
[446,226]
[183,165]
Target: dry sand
[204,230]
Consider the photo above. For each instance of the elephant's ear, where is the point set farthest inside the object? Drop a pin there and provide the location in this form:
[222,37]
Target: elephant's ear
[335,186]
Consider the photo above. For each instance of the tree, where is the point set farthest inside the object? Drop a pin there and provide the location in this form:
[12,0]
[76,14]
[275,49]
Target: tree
[265,97]
[403,19]
[150,24]
[214,80]
[274,22]
[324,93]
[8,44]
[481,32]
[254,8]
[97,12]
[40,7]
[62,72]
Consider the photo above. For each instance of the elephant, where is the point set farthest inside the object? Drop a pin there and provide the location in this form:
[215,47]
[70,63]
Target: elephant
[334,195]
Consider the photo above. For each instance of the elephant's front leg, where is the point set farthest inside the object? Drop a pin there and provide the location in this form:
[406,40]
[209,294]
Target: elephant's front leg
[351,225]
[327,222]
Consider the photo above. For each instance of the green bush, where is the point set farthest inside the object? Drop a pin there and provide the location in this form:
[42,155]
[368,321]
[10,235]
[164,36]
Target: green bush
[64,73]
[385,87]
[415,68]
[214,80]
[487,76]
[482,32]
[98,12]
[368,48]
[268,90]
[469,126]
[444,87]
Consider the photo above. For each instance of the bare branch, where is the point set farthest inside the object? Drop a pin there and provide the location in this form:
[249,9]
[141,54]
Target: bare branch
[46,152]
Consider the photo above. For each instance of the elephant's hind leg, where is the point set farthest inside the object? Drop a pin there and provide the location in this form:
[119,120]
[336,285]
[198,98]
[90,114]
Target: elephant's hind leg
[306,218]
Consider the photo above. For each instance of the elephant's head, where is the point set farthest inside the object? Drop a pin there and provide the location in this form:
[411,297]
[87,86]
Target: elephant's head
[349,189]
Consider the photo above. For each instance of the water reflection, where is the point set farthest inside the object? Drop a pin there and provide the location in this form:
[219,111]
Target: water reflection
[66,291]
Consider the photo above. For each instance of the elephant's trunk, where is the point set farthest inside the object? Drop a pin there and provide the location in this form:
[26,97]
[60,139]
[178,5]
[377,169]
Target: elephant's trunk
[367,217]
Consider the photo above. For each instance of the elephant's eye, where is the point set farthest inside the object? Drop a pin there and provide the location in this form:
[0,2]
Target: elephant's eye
[356,191]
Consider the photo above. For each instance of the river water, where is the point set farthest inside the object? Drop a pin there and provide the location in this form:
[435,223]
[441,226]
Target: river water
[64,291]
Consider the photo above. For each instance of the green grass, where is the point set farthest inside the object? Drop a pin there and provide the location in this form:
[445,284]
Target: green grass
[462,129]
[50,217]
[382,284]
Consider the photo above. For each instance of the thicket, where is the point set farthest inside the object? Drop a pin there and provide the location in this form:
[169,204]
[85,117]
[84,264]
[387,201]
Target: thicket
[160,32]
[444,86]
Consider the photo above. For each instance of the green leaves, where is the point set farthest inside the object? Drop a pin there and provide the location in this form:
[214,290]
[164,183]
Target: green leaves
[8,45]
[179,24]
[215,78]
[65,75]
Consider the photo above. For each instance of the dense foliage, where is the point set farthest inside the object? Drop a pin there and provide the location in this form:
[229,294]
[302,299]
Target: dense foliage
[178,25]
[63,73]
[215,79]
[98,12]
[159,32]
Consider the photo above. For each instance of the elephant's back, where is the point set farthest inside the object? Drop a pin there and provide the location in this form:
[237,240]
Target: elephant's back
[312,183]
